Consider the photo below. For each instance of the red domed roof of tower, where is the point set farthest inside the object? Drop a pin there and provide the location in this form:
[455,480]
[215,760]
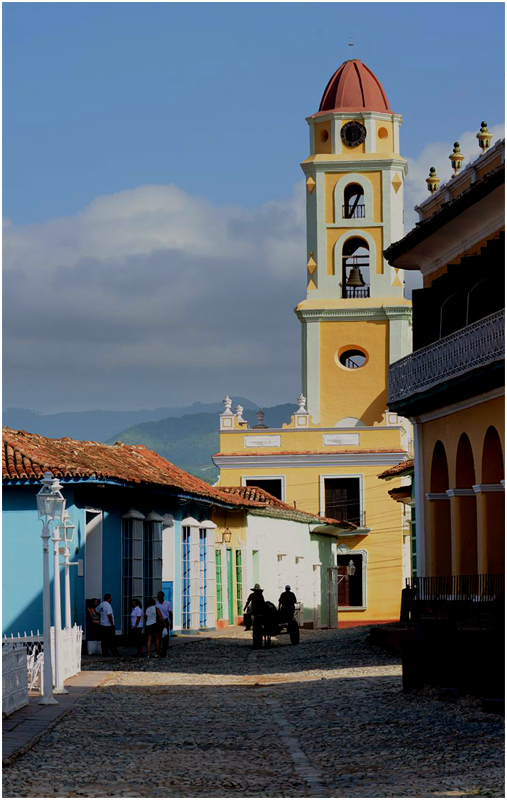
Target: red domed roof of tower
[354,87]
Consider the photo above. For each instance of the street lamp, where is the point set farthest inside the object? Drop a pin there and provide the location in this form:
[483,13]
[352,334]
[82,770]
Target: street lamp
[67,531]
[50,506]
[351,568]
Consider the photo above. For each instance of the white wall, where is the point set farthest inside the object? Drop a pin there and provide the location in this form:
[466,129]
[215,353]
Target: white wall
[279,537]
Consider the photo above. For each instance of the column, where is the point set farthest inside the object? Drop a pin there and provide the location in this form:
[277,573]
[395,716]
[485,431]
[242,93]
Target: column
[490,528]
[438,535]
[463,531]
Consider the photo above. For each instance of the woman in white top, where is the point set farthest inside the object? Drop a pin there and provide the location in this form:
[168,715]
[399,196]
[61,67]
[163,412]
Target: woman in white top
[153,626]
[136,625]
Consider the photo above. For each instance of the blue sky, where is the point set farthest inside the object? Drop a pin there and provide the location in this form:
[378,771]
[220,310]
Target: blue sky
[99,97]
[153,204]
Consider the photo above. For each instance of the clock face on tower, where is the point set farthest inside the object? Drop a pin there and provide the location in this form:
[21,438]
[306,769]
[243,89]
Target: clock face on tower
[353,134]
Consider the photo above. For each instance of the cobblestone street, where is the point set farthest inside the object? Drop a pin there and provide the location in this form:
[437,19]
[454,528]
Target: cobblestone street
[216,719]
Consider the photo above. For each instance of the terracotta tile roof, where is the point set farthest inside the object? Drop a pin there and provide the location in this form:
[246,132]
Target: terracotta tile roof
[261,451]
[29,455]
[253,494]
[399,469]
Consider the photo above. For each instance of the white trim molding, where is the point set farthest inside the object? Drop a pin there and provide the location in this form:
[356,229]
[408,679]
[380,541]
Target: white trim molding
[359,459]
[322,493]
[344,550]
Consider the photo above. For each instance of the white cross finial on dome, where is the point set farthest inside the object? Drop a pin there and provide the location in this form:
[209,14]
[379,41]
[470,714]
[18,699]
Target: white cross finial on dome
[351,45]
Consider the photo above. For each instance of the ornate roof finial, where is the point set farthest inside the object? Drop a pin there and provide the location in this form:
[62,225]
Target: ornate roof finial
[433,180]
[484,137]
[302,404]
[227,405]
[239,413]
[456,158]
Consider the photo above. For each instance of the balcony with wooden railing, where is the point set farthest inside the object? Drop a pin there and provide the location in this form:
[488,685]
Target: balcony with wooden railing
[477,345]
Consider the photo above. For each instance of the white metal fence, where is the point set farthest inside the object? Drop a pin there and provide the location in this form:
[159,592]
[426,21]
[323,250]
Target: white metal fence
[33,647]
[14,678]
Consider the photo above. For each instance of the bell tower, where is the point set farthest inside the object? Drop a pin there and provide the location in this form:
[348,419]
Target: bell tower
[355,320]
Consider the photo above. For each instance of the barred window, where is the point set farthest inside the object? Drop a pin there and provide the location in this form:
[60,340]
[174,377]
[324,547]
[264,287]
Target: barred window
[132,566]
[219,584]
[152,560]
[185,579]
[203,576]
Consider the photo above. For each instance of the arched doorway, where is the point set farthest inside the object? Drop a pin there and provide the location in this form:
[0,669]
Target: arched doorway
[490,501]
[464,512]
[439,539]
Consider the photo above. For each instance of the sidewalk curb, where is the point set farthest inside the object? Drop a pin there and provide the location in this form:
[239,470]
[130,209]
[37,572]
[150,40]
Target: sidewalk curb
[7,762]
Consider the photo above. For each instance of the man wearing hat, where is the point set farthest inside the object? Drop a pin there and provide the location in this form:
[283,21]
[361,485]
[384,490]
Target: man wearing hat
[286,604]
[254,605]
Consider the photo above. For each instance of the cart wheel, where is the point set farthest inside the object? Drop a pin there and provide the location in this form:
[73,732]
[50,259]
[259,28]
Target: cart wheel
[294,632]
[257,635]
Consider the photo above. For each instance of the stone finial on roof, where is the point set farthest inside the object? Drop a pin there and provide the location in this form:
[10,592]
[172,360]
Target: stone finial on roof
[227,405]
[456,158]
[432,180]
[260,419]
[484,137]
[302,404]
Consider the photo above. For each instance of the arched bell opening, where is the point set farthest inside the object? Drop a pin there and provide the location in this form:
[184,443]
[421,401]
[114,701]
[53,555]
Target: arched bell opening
[353,202]
[355,268]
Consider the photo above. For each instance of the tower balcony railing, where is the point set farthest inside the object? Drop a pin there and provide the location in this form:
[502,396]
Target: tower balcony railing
[477,345]
[349,212]
[356,291]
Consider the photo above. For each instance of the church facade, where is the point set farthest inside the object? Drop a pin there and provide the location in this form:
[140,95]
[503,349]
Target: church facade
[355,321]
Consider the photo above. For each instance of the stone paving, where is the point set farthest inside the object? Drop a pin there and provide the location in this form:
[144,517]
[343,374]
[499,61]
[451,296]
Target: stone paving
[326,718]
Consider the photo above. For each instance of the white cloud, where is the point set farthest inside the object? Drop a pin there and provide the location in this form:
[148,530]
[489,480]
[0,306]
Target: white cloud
[436,155]
[152,296]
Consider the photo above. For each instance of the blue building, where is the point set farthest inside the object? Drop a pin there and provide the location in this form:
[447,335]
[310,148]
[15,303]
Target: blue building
[142,524]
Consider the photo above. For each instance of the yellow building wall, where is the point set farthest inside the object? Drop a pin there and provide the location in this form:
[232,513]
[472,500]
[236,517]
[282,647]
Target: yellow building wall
[383,544]
[474,422]
[323,141]
[384,137]
[362,392]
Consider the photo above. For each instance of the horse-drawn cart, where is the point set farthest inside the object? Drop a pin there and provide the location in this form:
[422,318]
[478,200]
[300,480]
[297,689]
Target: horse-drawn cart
[273,623]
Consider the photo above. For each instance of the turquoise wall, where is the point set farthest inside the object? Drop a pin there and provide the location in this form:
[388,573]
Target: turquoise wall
[22,547]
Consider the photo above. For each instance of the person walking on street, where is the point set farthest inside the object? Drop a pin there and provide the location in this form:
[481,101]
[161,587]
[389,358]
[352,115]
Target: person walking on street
[153,626]
[286,604]
[166,612]
[136,625]
[107,629]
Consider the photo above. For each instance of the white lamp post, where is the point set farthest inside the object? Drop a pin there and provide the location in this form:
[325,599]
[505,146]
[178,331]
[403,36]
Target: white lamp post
[50,505]
[57,599]
[67,529]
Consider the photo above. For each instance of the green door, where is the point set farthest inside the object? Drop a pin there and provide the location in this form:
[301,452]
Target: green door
[230,596]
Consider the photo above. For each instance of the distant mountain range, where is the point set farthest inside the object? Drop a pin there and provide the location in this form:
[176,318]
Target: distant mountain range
[189,441]
[187,436]
[98,425]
